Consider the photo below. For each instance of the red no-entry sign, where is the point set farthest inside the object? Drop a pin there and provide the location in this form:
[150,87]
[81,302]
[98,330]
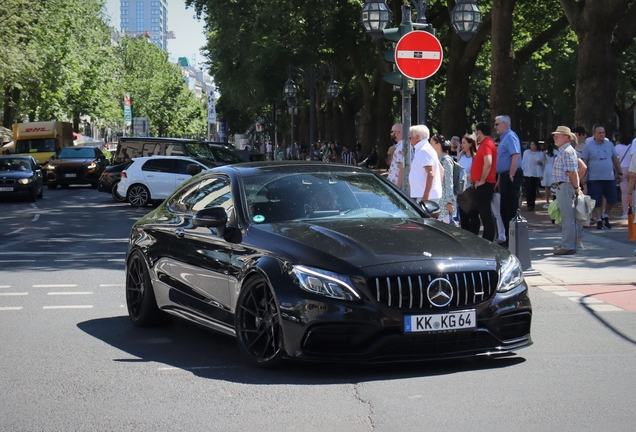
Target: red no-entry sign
[418,55]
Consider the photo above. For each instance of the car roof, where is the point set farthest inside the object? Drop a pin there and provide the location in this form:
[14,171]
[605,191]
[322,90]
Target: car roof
[159,139]
[81,146]
[16,157]
[145,158]
[287,167]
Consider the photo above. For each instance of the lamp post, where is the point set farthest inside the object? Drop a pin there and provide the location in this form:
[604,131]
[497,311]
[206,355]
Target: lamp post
[313,75]
[290,90]
[466,18]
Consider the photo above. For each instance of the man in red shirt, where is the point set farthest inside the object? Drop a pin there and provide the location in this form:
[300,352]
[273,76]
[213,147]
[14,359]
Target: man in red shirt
[483,174]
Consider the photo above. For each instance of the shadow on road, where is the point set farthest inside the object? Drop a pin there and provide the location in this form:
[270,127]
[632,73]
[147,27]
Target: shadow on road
[215,356]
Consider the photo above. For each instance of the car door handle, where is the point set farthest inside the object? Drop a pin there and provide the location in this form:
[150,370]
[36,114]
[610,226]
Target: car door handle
[179,232]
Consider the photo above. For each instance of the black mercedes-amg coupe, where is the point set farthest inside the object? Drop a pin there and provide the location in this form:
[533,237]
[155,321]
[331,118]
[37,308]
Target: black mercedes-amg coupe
[323,262]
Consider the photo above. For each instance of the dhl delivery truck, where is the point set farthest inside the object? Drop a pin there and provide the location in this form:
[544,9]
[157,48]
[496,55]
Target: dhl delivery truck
[42,140]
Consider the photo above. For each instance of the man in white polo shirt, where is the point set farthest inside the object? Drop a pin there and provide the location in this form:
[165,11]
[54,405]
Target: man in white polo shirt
[425,176]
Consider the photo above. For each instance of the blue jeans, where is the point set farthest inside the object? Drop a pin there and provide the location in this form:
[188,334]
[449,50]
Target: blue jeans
[571,229]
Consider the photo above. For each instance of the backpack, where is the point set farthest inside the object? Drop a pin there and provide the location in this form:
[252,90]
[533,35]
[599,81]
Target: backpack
[459,177]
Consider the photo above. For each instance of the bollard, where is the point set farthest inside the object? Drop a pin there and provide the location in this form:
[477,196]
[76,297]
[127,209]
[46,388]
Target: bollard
[519,244]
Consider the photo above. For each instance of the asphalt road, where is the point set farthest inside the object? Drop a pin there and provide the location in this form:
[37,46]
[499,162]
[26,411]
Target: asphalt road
[71,361]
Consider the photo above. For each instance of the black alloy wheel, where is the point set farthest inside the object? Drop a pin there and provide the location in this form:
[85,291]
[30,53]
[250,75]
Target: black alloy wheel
[138,195]
[140,297]
[116,196]
[258,328]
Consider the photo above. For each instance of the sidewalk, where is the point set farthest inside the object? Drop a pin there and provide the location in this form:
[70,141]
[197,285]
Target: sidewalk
[607,257]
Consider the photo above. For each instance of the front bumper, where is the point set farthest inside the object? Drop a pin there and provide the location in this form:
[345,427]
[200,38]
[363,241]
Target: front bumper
[72,176]
[323,329]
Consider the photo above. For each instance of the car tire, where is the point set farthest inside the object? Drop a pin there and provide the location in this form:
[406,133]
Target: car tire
[258,327]
[138,195]
[116,196]
[140,296]
[51,186]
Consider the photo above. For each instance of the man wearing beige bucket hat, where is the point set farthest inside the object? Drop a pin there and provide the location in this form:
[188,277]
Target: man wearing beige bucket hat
[565,179]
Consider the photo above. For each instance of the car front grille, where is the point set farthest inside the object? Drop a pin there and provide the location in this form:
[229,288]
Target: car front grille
[7,182]
[410,292]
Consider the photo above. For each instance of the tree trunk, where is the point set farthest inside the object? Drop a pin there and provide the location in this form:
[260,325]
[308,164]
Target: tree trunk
[11,100]
[502,92]
[596,81]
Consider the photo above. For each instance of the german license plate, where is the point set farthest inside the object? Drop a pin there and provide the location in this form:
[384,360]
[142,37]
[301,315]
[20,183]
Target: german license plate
[70,175]
[6,189]
[440,322]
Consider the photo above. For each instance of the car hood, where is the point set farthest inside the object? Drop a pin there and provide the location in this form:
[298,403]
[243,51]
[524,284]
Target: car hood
[68,162]
[372,242]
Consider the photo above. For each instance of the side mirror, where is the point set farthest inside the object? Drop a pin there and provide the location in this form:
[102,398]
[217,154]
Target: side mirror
[210,217]
[431,207]
[194,169]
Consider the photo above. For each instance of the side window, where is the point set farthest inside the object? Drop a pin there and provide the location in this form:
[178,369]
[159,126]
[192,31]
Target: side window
[175,150]
[129,150]
[211,192]
[151,149]
[182,166]
[215,192]
[159,165]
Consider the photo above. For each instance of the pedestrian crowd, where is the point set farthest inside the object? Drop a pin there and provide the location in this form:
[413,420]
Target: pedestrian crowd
[580,174]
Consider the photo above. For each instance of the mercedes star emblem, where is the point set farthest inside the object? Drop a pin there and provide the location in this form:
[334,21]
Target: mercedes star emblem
[440,292]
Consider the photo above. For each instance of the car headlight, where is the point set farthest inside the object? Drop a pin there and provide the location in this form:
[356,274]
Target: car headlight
[24,181]
[325,283]
[93,165]
[510,274]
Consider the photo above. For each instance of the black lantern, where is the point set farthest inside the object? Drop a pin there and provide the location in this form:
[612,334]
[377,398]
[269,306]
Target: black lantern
[333,90]
[375,17]
[466,18]
[291,89]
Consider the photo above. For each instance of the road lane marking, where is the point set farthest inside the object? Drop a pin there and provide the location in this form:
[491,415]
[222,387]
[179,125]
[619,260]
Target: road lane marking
[5,286]
[17,261]
[60,253]
[14,294]
[196,368]
[586,300]
[112,285]
[70,293]
[568,294]
[15,308]
[69,307]
[35,218]
[14,232]
[55,286]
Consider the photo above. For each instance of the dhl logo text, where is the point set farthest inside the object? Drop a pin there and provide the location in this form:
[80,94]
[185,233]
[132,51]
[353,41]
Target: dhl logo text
[37,129]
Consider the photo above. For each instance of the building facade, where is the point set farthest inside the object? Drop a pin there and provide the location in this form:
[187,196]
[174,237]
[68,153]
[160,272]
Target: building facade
[147,18]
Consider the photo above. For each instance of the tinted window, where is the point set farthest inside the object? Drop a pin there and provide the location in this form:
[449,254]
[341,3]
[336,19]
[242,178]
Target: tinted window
[199,150]
[159,165]
[174,150]
[225,155]
[15,164]
[36,145]
[323,194]
[151,149]
[182,166]
[128,150]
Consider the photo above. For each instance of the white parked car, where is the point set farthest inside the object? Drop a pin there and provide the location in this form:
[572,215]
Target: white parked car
[154,178]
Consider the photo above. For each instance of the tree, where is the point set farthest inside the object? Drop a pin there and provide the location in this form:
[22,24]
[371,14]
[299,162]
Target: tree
[605,29]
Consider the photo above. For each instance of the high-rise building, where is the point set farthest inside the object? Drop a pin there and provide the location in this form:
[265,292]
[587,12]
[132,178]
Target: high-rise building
[147,18]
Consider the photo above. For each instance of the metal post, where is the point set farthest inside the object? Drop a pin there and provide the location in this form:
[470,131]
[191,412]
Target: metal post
[421,102]
[312,106]
[406,117]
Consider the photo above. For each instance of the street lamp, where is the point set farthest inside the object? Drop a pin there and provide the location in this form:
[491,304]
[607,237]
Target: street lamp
[466,18]
[375,16]
[333,89]
[290,89]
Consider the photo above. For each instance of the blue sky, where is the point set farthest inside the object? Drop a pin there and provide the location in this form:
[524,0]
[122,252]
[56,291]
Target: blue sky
[187,29]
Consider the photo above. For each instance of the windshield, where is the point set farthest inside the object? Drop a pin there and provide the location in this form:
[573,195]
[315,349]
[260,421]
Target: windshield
[38,145]
[79,153]
[224,155]
[199,150]
[283,197]
[14,164]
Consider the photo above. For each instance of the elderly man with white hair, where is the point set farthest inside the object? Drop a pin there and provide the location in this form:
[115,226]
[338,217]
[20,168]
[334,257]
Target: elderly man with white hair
[425,176]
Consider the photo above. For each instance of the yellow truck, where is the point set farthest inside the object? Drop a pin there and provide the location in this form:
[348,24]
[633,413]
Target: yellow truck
[42,140]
